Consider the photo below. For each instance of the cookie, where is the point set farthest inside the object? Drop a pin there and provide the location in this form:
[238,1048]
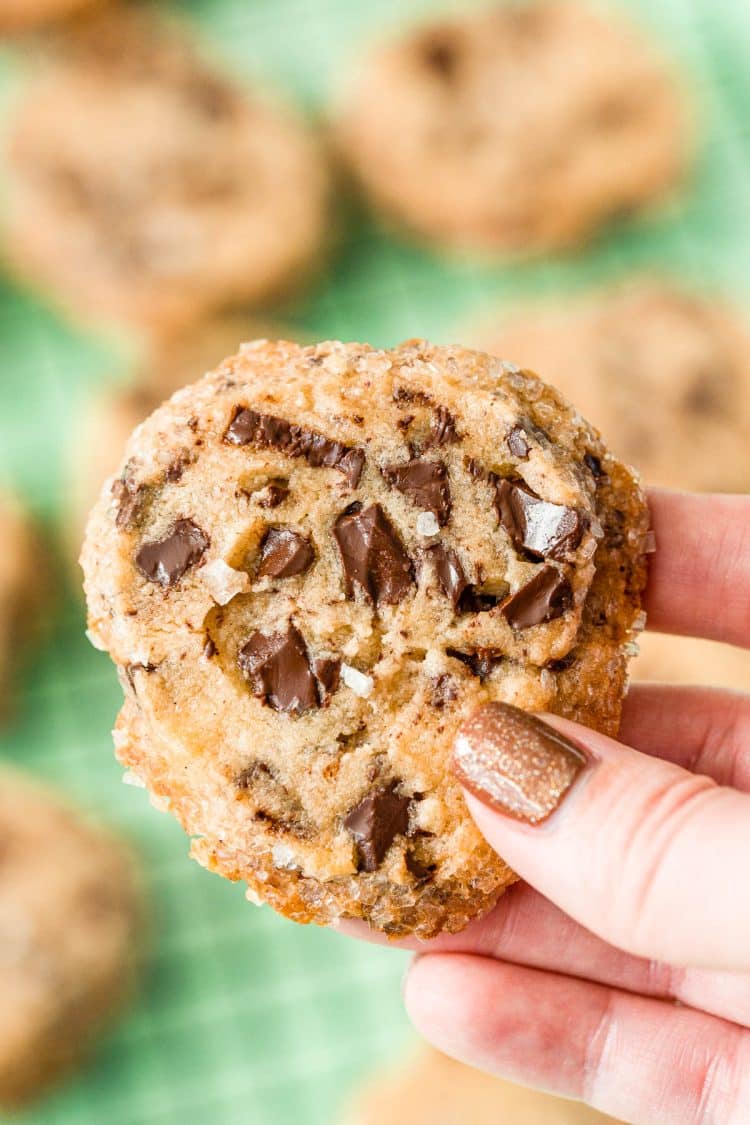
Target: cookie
[432,1088]
[147,186]
[313,565]
[23,583]
[19,15]
[665,373]
[110,418]
[69,923]
[515,129]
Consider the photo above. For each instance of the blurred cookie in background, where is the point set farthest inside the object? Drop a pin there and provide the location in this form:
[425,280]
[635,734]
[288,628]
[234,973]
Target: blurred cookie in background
[20,15]
[688,660]
[109,419]
[24,586]
[146,185]
[663,373]
[519,128]
[432,1089]
[69,929]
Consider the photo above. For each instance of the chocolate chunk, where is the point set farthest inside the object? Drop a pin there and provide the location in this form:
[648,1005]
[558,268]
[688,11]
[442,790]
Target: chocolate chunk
[131,669]
[411,394]
[544,598]
[284,553]
[481,662]
[328,674]
[441,57]
[209,648]
[424,482]
[375,822]
[278,670]
[546,531]
[274,494]
[563,664]
[267,432]
[128,494]
[166,560]
[421,871]
[450,574]
[442,690]
[517,442]
[177,467]
[594,466]
[466,598]
[372,555]
[443,430]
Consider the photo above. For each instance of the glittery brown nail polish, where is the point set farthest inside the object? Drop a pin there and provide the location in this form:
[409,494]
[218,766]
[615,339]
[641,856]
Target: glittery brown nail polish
[514,762]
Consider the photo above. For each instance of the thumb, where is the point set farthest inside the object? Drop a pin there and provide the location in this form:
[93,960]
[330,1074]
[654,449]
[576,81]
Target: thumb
[650,857]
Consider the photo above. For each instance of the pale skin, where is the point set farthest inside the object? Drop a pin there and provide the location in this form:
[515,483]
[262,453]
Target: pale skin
[618,972]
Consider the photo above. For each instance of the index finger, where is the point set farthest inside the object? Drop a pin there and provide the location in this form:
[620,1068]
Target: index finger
[699,576]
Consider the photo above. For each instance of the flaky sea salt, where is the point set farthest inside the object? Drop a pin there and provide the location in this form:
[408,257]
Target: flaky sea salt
[427,524]
[222,582]
[283,857]
[357,681]
[94,640]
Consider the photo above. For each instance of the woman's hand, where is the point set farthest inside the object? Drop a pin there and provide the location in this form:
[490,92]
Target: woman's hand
[620,974]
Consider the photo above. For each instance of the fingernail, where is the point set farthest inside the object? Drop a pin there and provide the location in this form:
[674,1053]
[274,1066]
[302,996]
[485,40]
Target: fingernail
[514,762]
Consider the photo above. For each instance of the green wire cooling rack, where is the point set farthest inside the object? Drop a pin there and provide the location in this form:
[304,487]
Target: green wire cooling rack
[243,1018]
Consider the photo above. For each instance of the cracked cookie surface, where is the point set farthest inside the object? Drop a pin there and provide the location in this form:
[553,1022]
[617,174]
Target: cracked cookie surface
[313,565]
[520,128]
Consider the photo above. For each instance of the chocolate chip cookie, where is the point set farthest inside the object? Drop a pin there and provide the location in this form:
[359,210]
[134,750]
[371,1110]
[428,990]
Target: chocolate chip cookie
[431,1088]
[518,128]
[666,374]
[23,585]
[69,923]
[313,565]
[145,185]
[19,15]
[109,419]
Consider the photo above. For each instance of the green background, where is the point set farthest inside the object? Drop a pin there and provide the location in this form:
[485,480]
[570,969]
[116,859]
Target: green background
[243,1017]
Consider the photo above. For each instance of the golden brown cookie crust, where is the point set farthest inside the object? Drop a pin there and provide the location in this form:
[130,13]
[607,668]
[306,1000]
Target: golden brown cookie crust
[517,128]
[314,564]
[70,913]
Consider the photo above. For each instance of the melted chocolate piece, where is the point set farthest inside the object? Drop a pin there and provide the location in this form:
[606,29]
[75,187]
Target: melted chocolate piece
[594,466]
[274,494]
[441,57]
[450,574]
[442,690]
[424,482]
[375,822]
[209,648]
[443,430]
[284,553]
[128,494]
[411,394]
[166,560]
[372,555]
[421,871]
[517,442]
[267,432]
[328,673]
[546,531]
[481,662]
[278,671]
[544,598]
[466,598]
